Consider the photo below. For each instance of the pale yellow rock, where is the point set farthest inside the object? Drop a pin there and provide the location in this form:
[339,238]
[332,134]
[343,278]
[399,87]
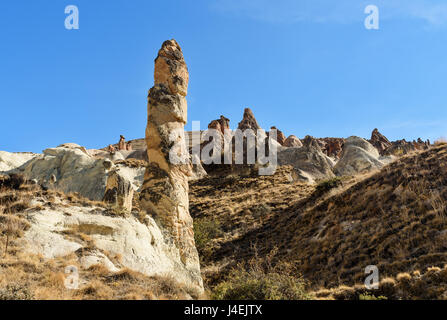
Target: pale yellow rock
[164,195]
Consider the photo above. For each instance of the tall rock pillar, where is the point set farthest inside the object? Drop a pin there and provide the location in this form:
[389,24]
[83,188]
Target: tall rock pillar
[164,194]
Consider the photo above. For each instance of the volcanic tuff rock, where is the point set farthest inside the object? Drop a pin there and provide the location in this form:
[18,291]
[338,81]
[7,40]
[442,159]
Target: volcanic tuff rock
[309,161]
[358,156]
[140,245]
[379,141]
[164,194]
[10,161]
[221,124]
[119,191]
[222,129]
[248,121]
[401,147]
[292,141]
[280,137]
[68,168]
[332,147]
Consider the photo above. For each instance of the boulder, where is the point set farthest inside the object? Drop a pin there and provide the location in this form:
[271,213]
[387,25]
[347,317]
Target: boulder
[358,156]
[292,142]
[119,191]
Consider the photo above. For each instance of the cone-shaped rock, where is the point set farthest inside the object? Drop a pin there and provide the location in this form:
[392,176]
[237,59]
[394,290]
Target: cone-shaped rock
[248,121]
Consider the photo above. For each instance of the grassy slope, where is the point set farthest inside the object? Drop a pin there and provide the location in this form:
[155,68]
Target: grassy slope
[395,219]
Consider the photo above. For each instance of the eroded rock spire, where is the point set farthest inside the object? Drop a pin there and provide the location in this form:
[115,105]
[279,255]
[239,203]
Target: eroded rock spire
[164,194]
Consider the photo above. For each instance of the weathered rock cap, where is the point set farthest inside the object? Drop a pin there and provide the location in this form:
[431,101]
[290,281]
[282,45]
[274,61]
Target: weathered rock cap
[170,68]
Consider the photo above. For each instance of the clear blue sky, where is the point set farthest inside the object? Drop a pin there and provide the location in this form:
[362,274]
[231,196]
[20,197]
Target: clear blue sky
[307,67]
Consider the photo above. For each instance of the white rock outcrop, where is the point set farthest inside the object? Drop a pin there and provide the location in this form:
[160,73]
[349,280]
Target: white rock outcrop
[69,168]
[10,161]
[140,245]
[358,156]
[309,161]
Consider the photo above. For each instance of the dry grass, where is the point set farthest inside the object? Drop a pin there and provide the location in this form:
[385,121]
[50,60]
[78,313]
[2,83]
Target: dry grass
[29,277]
[429,285]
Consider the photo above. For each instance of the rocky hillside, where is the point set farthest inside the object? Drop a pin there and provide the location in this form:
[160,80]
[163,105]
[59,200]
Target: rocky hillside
[394,219]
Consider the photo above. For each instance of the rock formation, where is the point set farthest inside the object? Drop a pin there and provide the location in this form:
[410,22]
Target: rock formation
[280,137]
[309,161]
[379,141]
[292,142]
[119,191]
[164,195]
[248,121]
[221,124]
[122,143]
[70,169]
[332,147]
[401,147]
[358,156]
[11,161]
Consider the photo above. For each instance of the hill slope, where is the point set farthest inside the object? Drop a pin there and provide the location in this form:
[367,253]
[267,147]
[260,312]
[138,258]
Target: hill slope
[395,219]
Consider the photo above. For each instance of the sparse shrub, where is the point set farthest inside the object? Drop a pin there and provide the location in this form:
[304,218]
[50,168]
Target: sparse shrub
[368,296]
[125,275]
[12,227]
[260,210]
[326,185]
[205,230]
[388,287]
[344,293]
[13,181]
[403,277]
[262,282]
